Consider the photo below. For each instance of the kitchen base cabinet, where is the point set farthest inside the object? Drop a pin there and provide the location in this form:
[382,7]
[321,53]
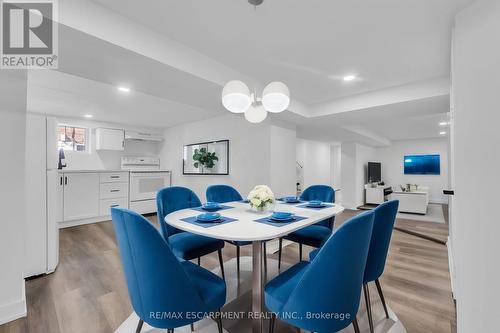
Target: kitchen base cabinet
[87,197]
[81,196]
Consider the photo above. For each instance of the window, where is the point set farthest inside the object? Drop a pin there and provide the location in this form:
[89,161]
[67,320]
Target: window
[72,138]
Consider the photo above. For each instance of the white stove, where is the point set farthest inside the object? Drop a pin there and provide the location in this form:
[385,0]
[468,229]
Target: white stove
[146,179]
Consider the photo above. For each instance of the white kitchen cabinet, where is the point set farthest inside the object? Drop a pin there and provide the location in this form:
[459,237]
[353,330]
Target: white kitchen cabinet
[81,196]
[109,139]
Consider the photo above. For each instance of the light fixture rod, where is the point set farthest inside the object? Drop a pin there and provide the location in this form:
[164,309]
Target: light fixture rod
[255,2]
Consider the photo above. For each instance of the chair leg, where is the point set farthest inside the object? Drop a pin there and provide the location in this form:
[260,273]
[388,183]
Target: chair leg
[238,258]
[219,321]
[272,322]
[265,257]
[199,261]
[368,305]
[300,252]
[279,253]
[355,325]
[139,326]
[379,289]
[221,264]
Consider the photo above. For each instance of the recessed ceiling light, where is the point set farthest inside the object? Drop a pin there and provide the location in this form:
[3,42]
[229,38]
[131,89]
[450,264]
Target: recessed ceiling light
[349,77]
[443,123]
[124,89]
[442,133]
[88,116]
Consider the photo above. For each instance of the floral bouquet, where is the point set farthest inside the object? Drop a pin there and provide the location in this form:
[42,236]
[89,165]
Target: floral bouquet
[261,198]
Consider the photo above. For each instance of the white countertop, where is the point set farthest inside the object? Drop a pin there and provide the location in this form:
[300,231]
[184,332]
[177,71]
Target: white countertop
[107,171]
[90,171]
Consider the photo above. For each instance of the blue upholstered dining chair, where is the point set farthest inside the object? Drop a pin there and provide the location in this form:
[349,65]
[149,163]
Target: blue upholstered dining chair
[184,245]
[158,282]
[223,194]
[385,217]
[329,284]
[316,234]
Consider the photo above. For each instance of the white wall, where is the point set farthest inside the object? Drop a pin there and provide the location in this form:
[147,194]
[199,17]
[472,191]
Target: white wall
[315,158]
[354,159]
[250,147]
[476,117]
[13,91]
[335,166]
[283,161]
[110,160]
[392,157]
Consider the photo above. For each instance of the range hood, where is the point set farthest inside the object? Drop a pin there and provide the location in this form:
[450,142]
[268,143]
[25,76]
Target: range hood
[143,136]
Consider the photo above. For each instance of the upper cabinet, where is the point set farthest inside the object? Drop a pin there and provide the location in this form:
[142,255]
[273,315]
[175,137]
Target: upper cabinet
[109,139]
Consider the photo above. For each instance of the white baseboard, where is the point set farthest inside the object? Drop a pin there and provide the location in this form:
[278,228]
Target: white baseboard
[350,206]
[451,265]
[13,311]
[74,223]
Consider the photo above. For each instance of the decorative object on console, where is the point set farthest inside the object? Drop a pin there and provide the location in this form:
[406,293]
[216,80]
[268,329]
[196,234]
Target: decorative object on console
[261,198]
[206,158]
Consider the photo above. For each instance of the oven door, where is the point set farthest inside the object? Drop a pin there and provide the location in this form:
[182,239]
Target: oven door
[145,185]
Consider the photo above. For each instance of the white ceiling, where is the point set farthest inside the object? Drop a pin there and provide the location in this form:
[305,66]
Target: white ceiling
[401,121]
[60,94]
[311,44]
[307,44]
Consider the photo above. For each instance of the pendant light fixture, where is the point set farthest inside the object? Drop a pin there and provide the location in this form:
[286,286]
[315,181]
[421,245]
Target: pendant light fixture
[256,113]
[237,98]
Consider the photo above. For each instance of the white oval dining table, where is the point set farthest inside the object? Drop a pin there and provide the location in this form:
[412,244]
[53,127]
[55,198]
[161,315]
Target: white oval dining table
[245,228]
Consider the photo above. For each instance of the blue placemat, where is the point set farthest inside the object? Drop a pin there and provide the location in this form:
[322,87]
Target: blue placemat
[326,205]
[267,220]
[194,221]
[222,207]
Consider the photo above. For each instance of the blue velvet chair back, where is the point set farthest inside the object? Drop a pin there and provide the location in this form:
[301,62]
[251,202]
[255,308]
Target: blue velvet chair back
[222,194]
[385,216]
[333,280]
[171,199]
[323,193]
[155,278]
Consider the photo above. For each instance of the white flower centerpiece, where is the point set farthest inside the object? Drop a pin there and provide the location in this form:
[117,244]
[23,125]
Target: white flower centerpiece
[261,198]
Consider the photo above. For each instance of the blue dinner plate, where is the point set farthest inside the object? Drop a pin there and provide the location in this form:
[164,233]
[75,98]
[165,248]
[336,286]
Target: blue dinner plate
[211,206]
[208,217]
[282,215]
[315,204]
[274,219]
[291,199]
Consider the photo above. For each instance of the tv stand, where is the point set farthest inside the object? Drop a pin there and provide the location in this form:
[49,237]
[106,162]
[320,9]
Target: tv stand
[377,195]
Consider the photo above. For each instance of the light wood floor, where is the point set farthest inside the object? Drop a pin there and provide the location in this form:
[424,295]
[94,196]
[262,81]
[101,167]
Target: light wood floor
[87,293]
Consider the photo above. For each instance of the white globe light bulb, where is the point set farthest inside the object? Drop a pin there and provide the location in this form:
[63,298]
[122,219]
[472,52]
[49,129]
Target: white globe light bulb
[276,97]
[236,96]
[256,114]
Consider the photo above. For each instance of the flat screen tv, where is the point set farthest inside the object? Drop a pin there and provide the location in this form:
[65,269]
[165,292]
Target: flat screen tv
[422,165]
[374,172]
